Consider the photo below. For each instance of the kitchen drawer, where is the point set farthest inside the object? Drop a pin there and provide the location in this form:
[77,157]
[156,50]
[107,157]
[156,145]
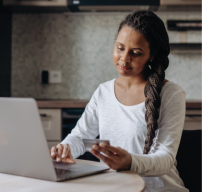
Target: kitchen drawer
[192,125]
[51,122]
[192,120]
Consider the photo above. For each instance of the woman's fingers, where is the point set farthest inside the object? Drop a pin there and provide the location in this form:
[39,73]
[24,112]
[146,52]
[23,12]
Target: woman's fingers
[114,150]
[107,152]
[62,153]
[117,158]
[53,152]
[105,159]
[65,152]
[59,152]
[69,160]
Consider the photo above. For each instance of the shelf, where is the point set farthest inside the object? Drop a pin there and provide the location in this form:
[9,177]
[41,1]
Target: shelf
[184,25]
[185,48]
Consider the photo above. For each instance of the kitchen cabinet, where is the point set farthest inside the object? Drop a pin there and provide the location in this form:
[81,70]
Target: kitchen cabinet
[184,48]
[51,122]
[44,6]
[36,3]
[192,120]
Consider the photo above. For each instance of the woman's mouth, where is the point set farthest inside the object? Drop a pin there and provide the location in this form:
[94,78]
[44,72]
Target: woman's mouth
[124,68]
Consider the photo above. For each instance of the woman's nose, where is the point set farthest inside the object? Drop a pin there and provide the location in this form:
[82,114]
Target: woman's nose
[125,57]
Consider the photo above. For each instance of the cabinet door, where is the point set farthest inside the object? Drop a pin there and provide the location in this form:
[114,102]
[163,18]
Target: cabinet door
[193,119]
[37,3]
[51,122]
[192,123]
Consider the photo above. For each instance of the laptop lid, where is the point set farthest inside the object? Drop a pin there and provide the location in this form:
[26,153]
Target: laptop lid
[23,147]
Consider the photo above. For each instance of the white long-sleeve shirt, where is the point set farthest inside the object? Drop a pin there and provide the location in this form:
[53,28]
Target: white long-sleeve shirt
[126,127]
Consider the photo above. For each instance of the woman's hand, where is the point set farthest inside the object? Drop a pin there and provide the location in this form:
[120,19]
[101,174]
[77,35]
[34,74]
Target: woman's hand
[62,153]
[117,158]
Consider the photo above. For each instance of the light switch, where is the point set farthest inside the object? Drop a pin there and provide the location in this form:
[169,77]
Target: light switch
[55,77]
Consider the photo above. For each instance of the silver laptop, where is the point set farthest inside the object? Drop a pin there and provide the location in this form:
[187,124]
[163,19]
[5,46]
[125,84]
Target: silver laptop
[23,146]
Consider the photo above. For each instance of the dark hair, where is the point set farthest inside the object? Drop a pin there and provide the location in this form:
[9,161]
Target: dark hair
[152,27]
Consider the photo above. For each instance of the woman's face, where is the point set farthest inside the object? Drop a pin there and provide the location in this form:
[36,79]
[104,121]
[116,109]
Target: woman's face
[131,52]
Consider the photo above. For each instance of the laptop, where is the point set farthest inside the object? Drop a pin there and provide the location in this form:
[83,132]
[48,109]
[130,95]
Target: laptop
[23,146]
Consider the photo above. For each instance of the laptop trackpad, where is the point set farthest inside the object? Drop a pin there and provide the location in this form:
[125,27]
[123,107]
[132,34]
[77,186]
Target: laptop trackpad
[72,170]
[66,166]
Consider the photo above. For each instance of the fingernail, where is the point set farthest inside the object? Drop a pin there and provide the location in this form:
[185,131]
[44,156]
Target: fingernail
[94,147]
[63,156]
[102,144]
[52,153]
[58,159]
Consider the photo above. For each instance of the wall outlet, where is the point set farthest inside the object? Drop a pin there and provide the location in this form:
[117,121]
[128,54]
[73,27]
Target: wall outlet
[55,77]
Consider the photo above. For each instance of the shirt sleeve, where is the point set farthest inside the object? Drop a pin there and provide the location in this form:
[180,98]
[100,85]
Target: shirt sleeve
[87,127]
[163,152]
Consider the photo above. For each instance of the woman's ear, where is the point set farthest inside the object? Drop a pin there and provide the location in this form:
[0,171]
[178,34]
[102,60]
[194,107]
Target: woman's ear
[152,58]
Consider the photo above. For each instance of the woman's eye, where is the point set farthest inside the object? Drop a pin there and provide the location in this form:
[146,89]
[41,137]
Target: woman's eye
[120,48]
[137,54]
[133,53]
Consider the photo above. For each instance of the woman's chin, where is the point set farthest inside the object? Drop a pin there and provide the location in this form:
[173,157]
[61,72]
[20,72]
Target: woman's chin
[126,73]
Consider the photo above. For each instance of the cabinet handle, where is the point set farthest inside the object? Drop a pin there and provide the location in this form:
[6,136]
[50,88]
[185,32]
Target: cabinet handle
[43,115]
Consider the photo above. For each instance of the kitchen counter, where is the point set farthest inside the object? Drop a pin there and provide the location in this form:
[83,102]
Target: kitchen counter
[58,104]
[108,181]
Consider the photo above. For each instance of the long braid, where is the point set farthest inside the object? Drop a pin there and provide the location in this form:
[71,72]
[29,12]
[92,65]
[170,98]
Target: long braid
[152,27]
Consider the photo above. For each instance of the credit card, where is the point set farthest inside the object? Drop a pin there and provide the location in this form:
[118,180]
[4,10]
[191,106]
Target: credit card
[88,143]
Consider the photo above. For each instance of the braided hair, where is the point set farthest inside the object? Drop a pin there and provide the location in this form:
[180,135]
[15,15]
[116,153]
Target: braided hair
[152,27]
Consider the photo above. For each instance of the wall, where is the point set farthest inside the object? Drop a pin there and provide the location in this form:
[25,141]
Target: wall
[81,47]
[5,52]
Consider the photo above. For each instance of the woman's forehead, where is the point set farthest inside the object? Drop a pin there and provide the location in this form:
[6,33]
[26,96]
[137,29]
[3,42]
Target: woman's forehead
[130,37]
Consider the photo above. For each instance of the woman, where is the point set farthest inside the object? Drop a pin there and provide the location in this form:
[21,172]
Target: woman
[140,112]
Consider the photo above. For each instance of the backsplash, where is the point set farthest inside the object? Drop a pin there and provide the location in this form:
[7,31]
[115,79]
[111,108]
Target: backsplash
[81,47]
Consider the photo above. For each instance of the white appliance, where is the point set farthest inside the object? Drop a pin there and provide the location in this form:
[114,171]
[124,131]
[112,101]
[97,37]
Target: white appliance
[51,122]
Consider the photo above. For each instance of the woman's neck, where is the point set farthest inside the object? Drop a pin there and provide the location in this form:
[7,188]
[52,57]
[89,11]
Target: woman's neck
[130,82]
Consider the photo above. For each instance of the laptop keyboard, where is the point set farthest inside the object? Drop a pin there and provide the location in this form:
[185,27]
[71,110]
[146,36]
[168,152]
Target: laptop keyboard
[60,172]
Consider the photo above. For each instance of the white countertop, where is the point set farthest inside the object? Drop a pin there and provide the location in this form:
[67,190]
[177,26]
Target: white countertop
[108,181]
